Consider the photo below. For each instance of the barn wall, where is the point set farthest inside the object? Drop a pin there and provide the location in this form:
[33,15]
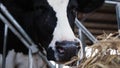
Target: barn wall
[100,21]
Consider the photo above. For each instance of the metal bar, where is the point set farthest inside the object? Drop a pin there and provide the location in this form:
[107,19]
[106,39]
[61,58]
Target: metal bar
[60,66]
[14,31]
[117,12]
[82,38]
[23,40]
[50,65]
[82,30]
[30,59]
[4,46]
[19,28]
[118,16]
[33,47]
[85,31]
[20,37]
[80,53]
[17,34]
[111,2]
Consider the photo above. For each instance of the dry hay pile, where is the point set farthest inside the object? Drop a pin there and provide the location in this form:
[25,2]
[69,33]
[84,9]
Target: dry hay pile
[103,58]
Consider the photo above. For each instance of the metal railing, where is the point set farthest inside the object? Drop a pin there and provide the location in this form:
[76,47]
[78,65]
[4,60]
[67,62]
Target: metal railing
[117,6]
[27,41]
[84,32]
[21,34]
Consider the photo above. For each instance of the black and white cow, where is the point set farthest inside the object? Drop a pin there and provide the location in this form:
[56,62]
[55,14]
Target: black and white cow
[49,23]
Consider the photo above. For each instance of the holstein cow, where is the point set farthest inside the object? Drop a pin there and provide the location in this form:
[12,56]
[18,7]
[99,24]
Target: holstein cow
[49,23]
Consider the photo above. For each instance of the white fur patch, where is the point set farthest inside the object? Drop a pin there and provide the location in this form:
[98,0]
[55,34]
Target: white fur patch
[62,30]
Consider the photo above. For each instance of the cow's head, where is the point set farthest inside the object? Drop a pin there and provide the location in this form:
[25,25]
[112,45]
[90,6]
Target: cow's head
[50,22]
[64,45]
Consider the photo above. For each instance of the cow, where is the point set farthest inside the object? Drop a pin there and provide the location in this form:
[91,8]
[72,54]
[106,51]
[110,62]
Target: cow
[49,23]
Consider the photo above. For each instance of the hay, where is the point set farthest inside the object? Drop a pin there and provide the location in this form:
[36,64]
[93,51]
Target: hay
[108,55]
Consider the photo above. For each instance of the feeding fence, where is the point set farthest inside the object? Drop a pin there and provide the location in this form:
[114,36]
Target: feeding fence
[12,24]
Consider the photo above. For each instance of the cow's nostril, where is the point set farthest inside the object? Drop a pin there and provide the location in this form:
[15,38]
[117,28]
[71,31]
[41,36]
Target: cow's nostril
[77,43]
[57,43]
[78,47]
[60,49]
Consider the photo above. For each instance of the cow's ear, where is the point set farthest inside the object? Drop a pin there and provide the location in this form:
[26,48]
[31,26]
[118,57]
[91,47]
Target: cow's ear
[86,6]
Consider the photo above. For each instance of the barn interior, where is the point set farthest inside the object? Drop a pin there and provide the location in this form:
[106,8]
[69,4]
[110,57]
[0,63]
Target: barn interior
[103,20]
[103,24]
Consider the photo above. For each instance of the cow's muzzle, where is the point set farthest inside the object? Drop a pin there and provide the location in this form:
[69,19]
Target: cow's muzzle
[64,51]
